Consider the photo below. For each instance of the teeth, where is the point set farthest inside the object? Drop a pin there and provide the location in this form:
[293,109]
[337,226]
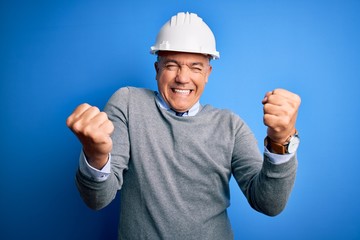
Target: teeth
[181,91]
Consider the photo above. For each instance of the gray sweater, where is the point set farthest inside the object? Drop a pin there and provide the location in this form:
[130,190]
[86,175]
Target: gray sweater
[174,172]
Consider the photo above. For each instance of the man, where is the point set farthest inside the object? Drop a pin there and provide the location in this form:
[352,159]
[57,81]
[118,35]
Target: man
[172,157]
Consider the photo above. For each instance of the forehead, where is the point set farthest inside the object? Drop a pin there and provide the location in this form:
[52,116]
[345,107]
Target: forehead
[183,57]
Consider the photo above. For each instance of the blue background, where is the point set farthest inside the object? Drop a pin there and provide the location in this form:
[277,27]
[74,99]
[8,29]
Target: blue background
[55,55]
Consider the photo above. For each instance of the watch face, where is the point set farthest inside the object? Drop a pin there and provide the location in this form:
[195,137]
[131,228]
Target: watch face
[293,144]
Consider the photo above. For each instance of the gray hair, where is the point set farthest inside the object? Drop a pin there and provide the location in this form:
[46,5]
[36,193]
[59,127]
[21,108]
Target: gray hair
[158,58]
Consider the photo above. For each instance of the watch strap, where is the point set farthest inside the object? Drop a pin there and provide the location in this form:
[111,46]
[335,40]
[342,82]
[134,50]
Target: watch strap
[278,148]
[275,147]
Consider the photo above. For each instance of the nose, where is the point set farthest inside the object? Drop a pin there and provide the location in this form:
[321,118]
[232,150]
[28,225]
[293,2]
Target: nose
[183,75]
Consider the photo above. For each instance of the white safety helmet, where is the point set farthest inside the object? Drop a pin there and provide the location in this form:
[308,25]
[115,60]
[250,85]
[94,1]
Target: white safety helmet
[186,32]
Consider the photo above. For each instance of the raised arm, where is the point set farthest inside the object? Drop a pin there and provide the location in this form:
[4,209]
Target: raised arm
[93,129]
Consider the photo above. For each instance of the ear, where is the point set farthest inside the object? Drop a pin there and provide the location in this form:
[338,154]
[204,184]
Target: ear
[208,73]
[156,66]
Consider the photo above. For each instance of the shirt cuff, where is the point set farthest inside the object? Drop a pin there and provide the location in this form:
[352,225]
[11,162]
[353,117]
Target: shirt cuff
[93,173]
[278,158]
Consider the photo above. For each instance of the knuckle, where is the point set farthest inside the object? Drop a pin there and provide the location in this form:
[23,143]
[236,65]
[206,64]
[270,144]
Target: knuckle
[277,129]
[271,97]
[81,108]
[265,107]
[103,115]
[266,117]
[94,109]
[108,127]
[279,91]
[111,125]
[295,98]
[88,131]
[77,127]
[84,105]
[269,120]
[69,121]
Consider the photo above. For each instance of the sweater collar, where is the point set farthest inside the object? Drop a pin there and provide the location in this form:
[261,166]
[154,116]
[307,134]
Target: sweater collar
[191,112]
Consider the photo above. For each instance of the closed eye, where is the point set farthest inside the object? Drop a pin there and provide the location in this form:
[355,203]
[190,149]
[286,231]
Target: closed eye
[172,67]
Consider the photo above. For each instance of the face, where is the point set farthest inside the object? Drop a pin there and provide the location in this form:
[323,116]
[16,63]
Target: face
[181,78]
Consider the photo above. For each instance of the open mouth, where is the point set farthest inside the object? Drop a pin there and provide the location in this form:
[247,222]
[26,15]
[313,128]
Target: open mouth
[182,91]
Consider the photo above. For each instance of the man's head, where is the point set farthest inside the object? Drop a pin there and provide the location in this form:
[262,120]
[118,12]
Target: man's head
[181,78]
[184,45]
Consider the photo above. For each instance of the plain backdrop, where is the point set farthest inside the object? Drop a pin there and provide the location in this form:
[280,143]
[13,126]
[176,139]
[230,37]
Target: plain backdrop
[55,55]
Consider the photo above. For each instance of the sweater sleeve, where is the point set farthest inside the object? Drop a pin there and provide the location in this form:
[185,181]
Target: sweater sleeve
[98,194]
[267,186]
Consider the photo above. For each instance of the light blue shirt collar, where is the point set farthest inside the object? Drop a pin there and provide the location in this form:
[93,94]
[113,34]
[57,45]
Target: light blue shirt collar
[192,111]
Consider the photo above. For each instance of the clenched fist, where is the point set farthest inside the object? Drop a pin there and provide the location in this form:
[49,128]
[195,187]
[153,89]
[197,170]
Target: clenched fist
[280,113]
[93,129]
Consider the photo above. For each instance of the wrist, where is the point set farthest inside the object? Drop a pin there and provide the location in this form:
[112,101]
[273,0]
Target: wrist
[281,138]
[289,145]
[97,161]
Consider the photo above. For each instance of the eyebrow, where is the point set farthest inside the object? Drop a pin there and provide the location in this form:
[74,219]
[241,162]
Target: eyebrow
[176,62]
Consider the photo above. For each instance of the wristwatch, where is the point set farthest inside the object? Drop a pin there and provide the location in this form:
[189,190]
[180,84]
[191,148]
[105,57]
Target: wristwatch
[290,146]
